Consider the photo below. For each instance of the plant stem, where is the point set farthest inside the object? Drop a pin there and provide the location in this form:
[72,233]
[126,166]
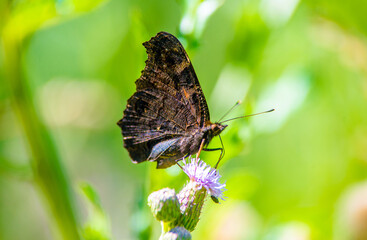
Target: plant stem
[48,171]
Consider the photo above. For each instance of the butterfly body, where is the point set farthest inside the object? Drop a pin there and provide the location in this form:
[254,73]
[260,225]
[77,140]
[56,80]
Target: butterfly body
[167,118]
[167,153]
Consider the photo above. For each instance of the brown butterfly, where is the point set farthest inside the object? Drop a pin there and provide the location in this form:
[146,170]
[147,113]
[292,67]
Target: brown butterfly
[167,118]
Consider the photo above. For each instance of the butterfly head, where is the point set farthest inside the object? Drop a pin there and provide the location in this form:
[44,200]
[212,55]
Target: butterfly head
[217,128]
[214,129]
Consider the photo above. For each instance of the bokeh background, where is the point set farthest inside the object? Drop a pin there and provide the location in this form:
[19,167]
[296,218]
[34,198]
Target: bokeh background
[67,68]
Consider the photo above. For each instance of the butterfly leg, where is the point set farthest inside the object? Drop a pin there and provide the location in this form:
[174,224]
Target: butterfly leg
[222,151]
[183,158]
[216,149]
[201,148]
[212,149]
[179,165]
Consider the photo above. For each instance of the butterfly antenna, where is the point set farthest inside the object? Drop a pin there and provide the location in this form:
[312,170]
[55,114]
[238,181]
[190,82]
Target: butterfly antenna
[250,115]
[230,110]
[223,152]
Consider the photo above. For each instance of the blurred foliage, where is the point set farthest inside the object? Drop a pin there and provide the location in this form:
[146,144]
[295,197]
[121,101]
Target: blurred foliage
[68,66]
[97,226]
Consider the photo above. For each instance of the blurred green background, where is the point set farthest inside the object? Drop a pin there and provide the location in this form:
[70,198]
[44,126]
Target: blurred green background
[67,68]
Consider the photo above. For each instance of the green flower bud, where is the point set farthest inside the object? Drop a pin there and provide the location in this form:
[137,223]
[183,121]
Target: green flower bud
[191,198]
[164,205]
[177,233]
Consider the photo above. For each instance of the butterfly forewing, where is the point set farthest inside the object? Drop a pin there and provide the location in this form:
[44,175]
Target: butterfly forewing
[169,69]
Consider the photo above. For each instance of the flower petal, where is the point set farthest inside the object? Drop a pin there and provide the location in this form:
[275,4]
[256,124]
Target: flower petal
[208,177]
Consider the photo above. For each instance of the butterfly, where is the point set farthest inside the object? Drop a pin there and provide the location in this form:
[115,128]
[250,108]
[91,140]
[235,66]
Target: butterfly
[167,118]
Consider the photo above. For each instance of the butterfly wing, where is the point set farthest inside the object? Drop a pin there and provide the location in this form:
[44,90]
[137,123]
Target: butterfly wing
[169,68]
[167,105]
